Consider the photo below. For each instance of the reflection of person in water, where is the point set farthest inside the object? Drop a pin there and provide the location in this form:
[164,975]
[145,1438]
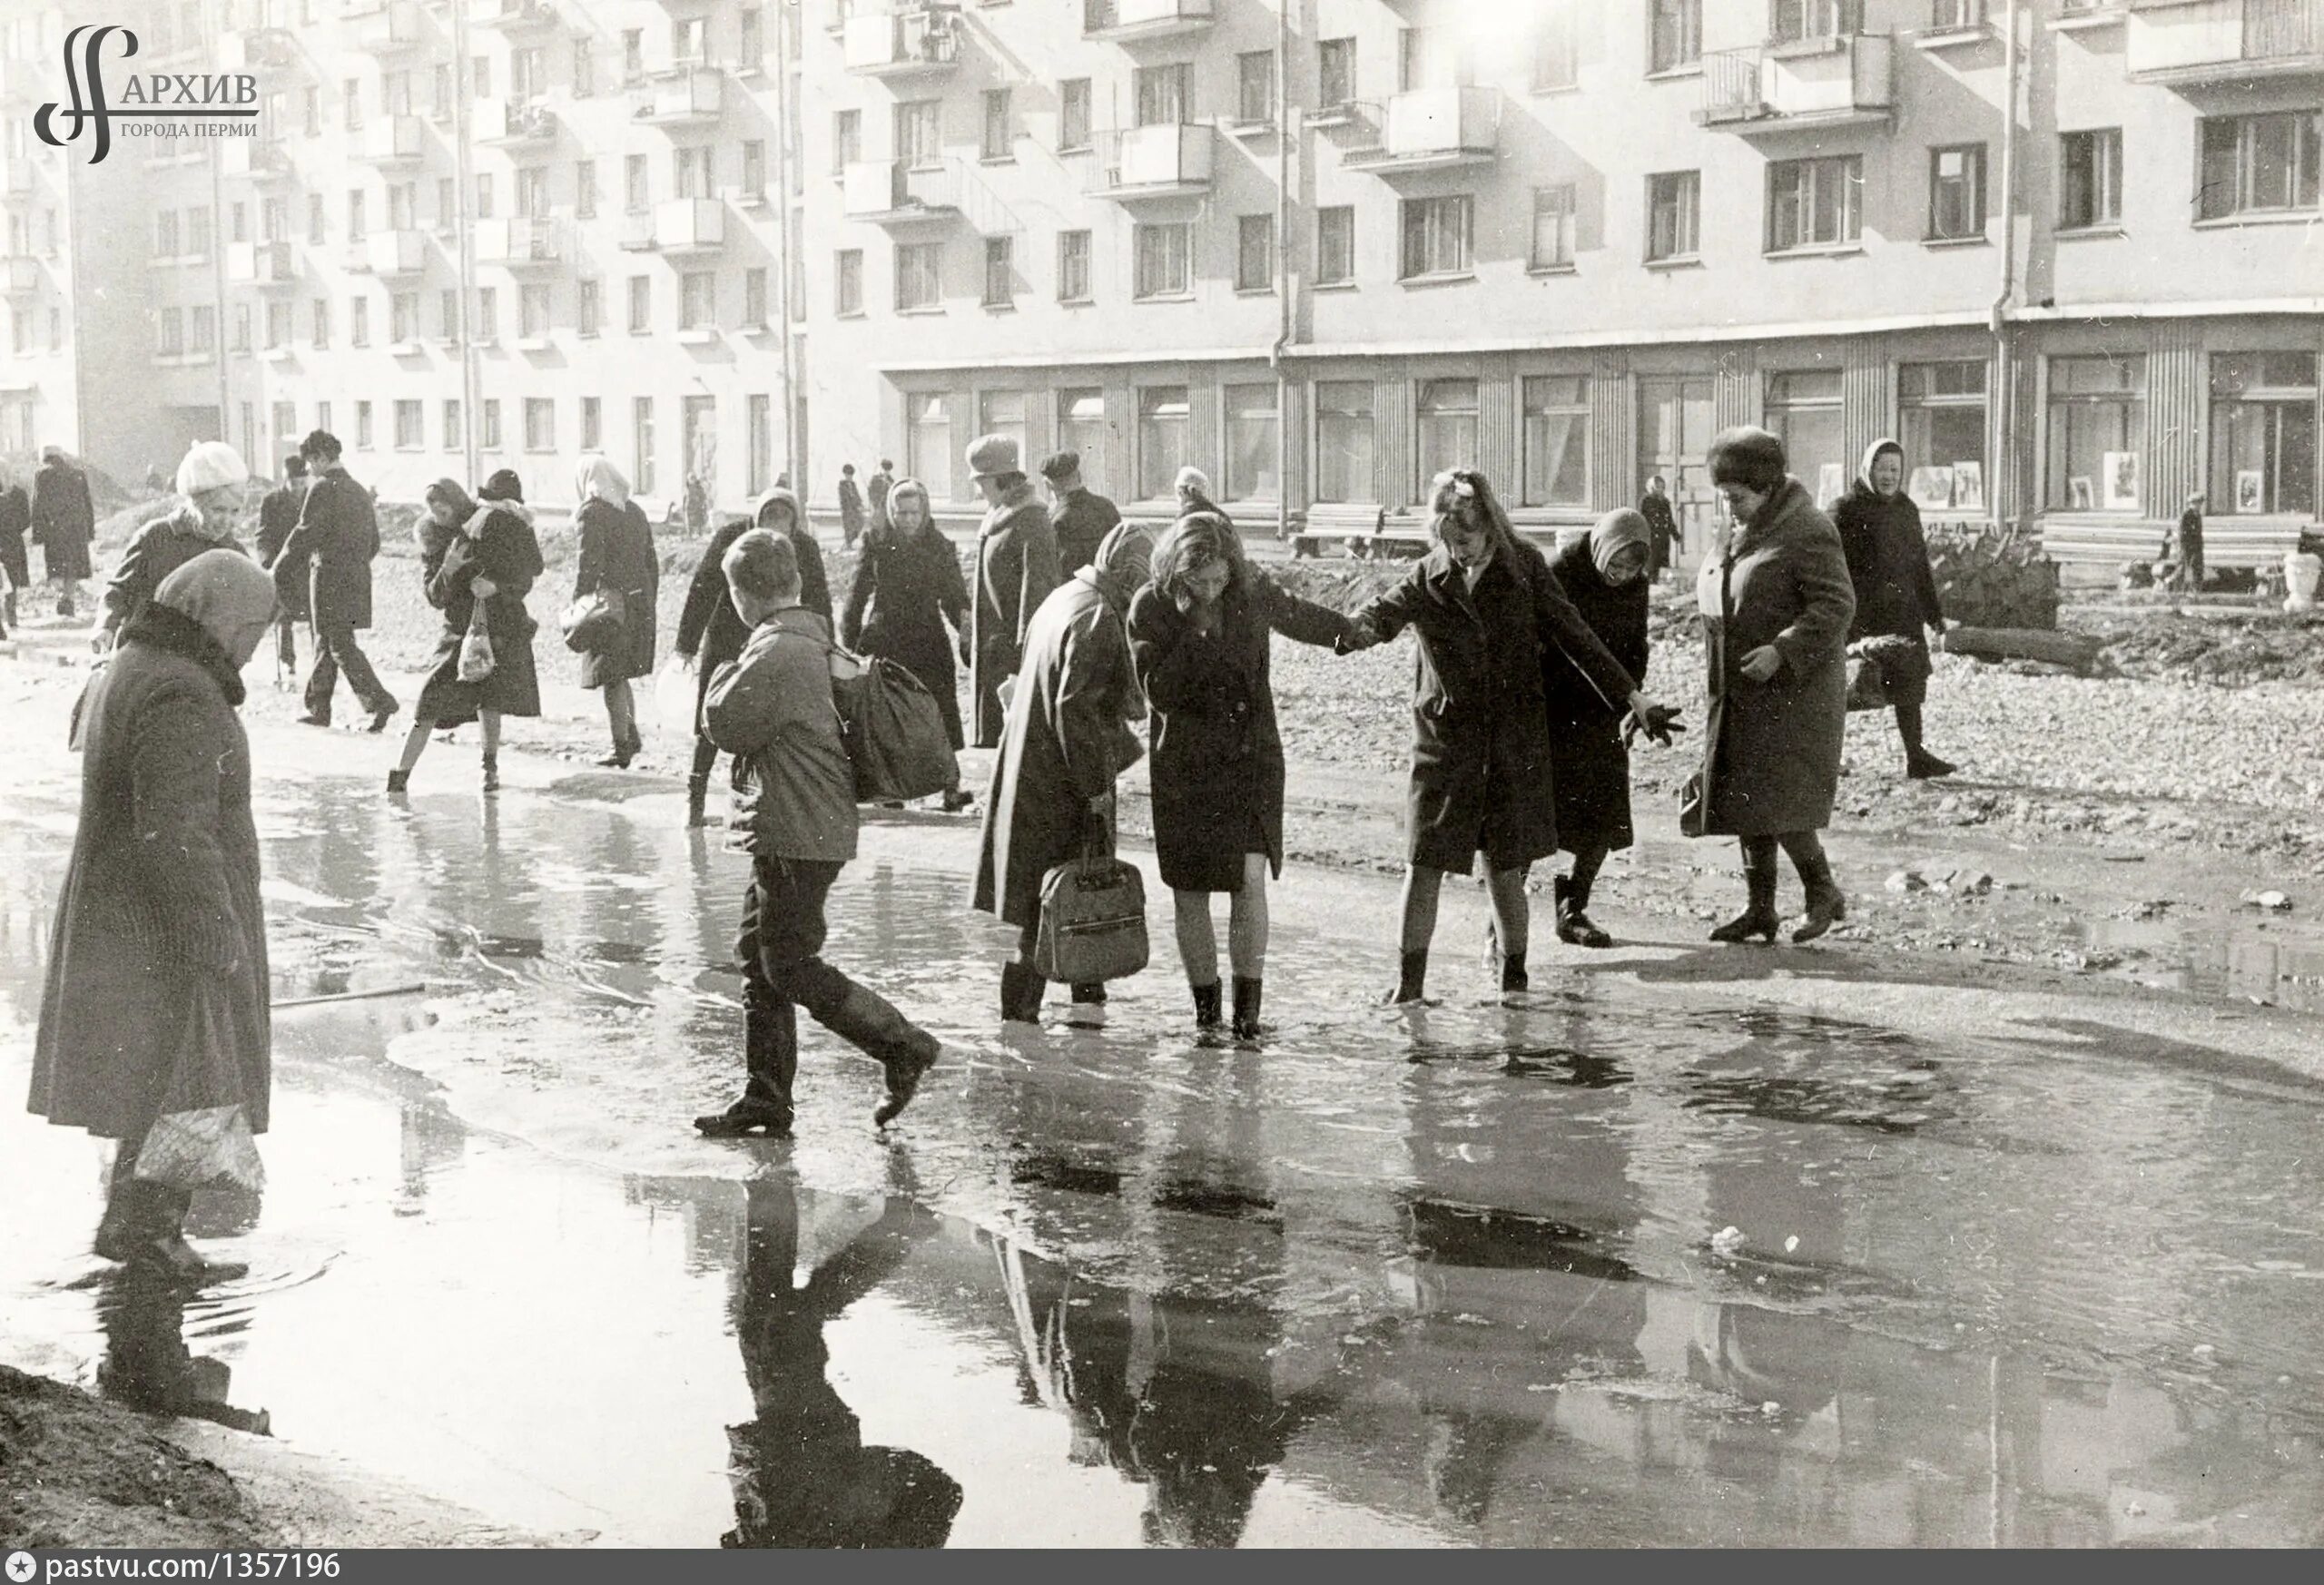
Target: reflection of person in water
[147,1364]
[801,1473]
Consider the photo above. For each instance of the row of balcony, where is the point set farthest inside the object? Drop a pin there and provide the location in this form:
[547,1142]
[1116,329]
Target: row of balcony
[2218,43]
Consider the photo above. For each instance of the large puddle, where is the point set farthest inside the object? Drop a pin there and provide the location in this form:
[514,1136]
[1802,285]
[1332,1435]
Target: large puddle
[1615,1265]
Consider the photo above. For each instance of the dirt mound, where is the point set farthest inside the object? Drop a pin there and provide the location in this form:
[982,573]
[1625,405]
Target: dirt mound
[2230,653]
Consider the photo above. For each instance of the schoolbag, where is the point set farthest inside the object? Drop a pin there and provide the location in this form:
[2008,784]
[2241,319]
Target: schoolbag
[894,730]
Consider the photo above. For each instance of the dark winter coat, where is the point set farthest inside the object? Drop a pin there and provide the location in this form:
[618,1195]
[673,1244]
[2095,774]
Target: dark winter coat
[711,629]
[64,518]
[617,554]
[1591,768]
[498,544]
[850,509]
[1887,557]
[1067,740]
[278,515]
[1661,531]
[339,533]
[1080,523]
[157,967]
[1482,769]
[155,551]
[876,492]
[1016,569]
[906,585]
[772,709]
[1217,771]
[15,519]
[1771,759]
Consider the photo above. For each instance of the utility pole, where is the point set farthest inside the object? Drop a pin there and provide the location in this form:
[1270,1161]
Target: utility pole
[464,181]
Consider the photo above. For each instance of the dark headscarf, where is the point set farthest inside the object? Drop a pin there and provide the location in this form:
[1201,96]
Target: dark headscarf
[503,486]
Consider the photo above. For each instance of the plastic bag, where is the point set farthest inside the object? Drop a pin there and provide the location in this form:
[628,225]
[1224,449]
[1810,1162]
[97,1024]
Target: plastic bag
[196,1149]
[675,693]
[475,649]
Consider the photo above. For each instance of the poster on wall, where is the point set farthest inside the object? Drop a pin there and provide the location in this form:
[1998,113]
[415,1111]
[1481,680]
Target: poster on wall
[1932,488]
[1969,487]
[2120,474]
[2251,489]
[2078,493]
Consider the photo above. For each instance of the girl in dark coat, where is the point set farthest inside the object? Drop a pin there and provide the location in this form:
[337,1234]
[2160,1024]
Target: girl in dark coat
[710,631]
[616,555]
[1486,610]
[1199,634]
[1605,577]
[1775,603]
[907,586]
[471,551]
[154,1022]
[1895,592]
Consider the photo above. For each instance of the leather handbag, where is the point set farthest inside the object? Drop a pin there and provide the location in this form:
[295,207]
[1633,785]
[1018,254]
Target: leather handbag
[593,624]
[1093,921]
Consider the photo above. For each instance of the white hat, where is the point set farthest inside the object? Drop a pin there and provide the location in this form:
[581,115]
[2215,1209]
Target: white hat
[210,465]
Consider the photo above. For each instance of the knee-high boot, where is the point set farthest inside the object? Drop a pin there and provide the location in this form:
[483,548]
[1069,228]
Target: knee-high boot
[1758,917]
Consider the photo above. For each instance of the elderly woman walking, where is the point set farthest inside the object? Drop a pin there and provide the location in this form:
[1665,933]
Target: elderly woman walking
[1895,592]
[1200,636]
[211,479]
[908,585]
[473,551]
[1067,738]
[1776,603]
[1487,611]
[617,558]
[154,1019]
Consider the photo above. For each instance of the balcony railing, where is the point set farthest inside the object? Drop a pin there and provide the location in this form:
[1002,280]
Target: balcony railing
[2217,43]
[393,140]
[393,29]
[688,94]
[1430,129]
[681,225]
[1848,81]
[1127,21]
[521,120]
[261,265]
[397,253]
[889,193]
[519,15]
[906,42]
[519,243]
[1155,161]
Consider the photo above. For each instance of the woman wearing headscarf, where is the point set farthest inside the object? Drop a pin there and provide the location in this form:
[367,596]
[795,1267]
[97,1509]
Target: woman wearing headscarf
[617,556]
[470,551]
[1895,592]
[907,586]
[211,479]
[1487,611]
[1775,603]
[154,1019]
[1067,738]
[710,631]
[1201,636]
[1605,577]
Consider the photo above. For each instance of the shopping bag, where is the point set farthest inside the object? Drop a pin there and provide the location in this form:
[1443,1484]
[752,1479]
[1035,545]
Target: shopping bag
[894,729]
[1867,685]
[204,1135]
[475,648]
[593,624]
[676,694]
[1093,921]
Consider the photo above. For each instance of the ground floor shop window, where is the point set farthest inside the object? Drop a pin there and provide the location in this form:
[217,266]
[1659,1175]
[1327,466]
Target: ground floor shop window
[1446,430]
[1253,466]
[1943,409]
[928,441]
[1557,440]
[1344,440]
[2097,433]
[1081,428]
[1002,412]
[2263,432]
[1804,410]
[1162,431]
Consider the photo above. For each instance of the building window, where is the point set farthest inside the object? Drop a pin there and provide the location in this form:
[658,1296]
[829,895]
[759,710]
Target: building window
[998,139]
[1941,408]
[480,77]
[1164,95]
[632,54]
[2263,433]
[1072,114]
[1674,35]
[1796,21]
[690,172]
[1344,440]
[322,419]
[528,75]
[641,442]
[585,188]
[1163,412]
[165,234]
[455,435]
[640,304]
[322,324]
[1553,227]
[928,441]
[1255,253]
[540,424]
[847,283]
[754,315]
[355,217]
[999,273]
[1002,412]
[592,424]
[201,336]
[698,300]
[1335,245]
[311,106]
[1336,73]
[533,311]
[1956,193]
[411,432]
[2259,165]
[241,327]
[2097,424]
[1556,49]
[1557,440]
[585,69]
[1436,236]
[1081,428]
[351,103]
[1164,261]
[403,317]
[1255,87]
[1445,411]
[750,54]
[637,195]
[589,312]
[197,233]
[847,139]
[1073,267]
[919,276]
[1956,16]
[359,321]
[1254,443]
[483,195]
[315,229]
[2090,178]
[690,41]
[920,133]
[1804,412]
[1815,203]
[758,416]
[487,315]
[363,426]
[278,325]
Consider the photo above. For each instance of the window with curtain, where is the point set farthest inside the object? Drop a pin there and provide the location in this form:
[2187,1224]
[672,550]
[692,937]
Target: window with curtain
[1674,35]
[1815,203]
[1344,440]
[1163,414]
[1803,413]
[927,440]
[1445,427]
[2263,433]
[1553,227]
[1437,233]
[2097,433]
[1335,245]
[1254,443]
[1082,427]
[1673,200]
[1557,440]
[2090,178]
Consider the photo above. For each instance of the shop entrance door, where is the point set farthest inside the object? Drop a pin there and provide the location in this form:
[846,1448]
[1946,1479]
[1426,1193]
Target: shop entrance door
[1674,433]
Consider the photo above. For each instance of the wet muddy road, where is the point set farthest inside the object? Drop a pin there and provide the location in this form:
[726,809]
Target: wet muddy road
[1635,1259]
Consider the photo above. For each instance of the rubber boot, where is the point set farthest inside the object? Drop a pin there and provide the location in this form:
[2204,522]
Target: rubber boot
[770,1061]
[1247,996]
[697,802]
[398,782]
[1513,977]
[1827,905]
[1411,976]
[1757,919]
[1575,927]
[491,774]
[874,1025]
[1020,994]
[1207,1010]
[1089,995]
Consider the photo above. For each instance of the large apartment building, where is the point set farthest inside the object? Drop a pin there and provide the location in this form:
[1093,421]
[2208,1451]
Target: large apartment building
[1321,248]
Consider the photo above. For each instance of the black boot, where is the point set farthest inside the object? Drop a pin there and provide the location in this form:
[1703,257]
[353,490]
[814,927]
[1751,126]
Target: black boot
[1827,905]
[1208,1010]
[770,1061]
[1089,1007]
[1411,976]
[1759,918]
[1513,977]
[1574,925]
[1020,994]
[1247,994]
[874,1025]
[1092,995]
[697,802]
[491,772]
[398,782]
[1920,766]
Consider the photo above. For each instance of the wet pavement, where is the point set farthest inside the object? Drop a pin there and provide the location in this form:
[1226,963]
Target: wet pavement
[1636,1259]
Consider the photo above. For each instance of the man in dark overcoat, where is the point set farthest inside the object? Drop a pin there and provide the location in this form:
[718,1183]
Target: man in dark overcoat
[1016,569]
[339,530]
[1079,515]
[64,521]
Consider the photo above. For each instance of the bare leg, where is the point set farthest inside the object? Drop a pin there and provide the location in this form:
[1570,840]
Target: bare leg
[1512,914]
[1418,926]
[489,720]
[415,744]
[1246,921]
[1198,937]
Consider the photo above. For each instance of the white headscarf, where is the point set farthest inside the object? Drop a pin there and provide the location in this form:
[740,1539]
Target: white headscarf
[599,478]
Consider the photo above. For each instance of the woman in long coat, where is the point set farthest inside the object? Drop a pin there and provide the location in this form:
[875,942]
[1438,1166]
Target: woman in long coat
[1199,634]
[1068,738]
[616,555]
[1486,610]
[907,586]
[1605,577]
[1775,603]
[1895,592]
[155,1008]
[710,631]
[472,551]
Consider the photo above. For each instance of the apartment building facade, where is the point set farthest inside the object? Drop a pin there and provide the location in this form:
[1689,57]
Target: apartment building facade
[1566,241]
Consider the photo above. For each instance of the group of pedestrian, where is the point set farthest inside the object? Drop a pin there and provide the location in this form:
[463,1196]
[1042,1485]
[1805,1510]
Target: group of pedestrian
[57,513]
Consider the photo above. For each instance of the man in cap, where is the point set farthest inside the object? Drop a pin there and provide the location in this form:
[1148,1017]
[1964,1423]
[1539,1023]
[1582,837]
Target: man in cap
[1016,569]
[1079,515]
